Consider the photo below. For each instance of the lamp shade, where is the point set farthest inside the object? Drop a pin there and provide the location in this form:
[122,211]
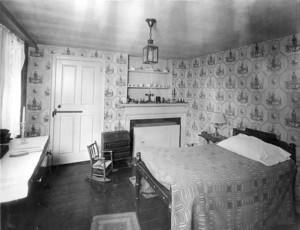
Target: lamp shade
[218,118]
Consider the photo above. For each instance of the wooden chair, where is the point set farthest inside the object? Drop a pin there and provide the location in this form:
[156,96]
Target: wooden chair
[101,163]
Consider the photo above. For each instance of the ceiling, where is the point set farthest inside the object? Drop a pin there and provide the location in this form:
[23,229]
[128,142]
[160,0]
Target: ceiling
[184,29]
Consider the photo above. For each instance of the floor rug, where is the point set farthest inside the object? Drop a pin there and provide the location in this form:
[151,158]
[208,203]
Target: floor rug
[146,190]
[124,221]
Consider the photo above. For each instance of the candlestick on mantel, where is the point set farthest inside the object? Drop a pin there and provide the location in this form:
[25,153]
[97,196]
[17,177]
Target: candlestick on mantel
[149,95]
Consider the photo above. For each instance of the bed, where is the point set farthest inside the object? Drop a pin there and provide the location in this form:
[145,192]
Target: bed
[210,187]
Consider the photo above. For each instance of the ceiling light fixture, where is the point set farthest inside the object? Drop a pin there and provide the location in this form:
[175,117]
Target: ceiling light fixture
[150,51]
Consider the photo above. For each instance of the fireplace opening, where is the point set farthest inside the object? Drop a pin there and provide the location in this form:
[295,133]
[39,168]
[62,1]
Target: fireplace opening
[138,124]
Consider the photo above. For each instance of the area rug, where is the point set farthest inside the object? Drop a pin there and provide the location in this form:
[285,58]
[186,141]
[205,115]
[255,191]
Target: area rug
[146,190]
[124,221]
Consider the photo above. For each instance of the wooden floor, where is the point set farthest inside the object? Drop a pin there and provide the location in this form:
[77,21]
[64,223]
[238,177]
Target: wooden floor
[71,201]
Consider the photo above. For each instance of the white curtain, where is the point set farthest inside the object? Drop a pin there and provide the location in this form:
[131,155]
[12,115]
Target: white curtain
[11,63]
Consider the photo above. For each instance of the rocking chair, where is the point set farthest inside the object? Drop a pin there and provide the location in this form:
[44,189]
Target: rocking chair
[101,163]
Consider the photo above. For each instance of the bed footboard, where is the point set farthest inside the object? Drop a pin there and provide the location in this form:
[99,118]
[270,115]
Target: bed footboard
[142,171]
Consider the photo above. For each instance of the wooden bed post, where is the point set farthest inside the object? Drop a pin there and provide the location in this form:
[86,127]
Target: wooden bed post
[138,178]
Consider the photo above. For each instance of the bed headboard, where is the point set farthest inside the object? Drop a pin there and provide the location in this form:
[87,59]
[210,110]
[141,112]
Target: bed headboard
[269,138]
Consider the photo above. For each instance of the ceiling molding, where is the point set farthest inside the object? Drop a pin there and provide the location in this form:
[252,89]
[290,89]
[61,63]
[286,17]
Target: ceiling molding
[12,24]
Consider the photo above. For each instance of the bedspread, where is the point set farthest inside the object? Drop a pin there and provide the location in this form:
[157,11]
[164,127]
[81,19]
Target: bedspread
[213,188]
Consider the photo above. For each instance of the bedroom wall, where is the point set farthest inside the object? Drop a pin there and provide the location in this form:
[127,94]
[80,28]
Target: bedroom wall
[256,86]
[39,86]
[253,86]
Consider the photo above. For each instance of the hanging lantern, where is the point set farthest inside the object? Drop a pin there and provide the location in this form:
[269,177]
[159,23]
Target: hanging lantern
[150,51]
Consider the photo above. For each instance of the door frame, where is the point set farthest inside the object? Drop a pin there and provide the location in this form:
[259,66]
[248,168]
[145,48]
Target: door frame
[55,58]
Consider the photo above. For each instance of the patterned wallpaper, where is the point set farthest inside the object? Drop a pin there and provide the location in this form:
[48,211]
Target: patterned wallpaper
[255,86]
[39,87]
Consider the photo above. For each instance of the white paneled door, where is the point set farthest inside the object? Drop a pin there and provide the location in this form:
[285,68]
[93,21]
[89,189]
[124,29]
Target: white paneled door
[77,107]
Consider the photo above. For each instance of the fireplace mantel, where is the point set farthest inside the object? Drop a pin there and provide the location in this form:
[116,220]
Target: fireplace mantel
[156,111]
[155,105]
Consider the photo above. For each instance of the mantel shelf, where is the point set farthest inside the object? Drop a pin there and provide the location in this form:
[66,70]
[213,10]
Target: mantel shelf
[148,72]
[138,87]
[155,105]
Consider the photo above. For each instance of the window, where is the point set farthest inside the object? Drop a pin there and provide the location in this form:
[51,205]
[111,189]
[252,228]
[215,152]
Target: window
[11,63]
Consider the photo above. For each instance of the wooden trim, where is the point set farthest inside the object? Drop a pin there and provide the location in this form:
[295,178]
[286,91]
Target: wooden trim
[12,19]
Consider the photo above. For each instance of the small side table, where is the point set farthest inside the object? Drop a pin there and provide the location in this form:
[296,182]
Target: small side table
[210,138]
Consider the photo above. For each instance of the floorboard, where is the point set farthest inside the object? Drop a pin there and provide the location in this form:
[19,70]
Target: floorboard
[70,201]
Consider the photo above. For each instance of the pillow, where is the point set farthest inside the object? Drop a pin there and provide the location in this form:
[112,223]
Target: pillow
[255,149]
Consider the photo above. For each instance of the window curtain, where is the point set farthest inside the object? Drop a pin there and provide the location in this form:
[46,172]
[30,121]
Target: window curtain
[11,63]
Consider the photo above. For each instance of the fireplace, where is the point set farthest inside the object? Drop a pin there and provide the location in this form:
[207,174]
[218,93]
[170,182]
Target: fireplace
[160,132]
[151,117]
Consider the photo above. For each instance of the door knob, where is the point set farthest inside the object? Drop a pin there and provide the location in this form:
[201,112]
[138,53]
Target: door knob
[59,106]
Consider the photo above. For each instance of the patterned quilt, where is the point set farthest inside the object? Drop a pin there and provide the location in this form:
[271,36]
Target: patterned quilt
[213,188]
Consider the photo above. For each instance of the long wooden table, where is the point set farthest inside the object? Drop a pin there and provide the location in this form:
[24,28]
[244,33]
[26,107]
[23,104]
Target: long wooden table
[19,167]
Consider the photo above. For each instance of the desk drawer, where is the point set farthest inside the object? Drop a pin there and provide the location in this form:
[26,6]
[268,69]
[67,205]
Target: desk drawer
[113,145]
[122,156]
[121,149]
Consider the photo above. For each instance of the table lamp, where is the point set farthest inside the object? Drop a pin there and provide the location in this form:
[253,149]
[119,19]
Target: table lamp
[218,119]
